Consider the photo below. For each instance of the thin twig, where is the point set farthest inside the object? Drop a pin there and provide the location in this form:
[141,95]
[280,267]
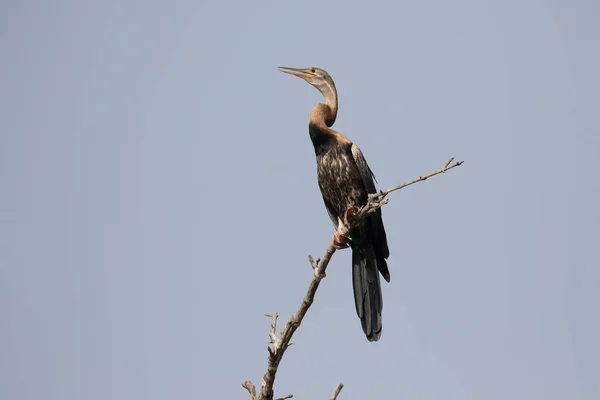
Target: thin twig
[250,388]
[289,396]
[280,344]
[445,168]
[336,392]
[378,200]
[272,331]
[448,163]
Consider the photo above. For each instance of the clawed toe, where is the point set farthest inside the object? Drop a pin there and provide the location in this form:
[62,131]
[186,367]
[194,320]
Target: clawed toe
[339,241]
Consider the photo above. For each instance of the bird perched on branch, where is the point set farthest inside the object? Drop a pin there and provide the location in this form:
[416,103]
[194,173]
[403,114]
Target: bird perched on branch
[346,180]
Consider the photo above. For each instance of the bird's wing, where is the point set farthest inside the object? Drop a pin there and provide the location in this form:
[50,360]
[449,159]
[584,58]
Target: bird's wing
[331,213]
[366,174]
[377,230]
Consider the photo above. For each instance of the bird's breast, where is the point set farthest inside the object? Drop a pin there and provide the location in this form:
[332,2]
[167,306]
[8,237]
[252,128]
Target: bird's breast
[339,180]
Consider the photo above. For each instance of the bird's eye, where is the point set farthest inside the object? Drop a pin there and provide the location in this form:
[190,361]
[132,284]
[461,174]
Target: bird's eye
[313,70]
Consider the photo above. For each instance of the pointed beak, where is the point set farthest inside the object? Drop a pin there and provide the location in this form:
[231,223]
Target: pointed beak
[302,73]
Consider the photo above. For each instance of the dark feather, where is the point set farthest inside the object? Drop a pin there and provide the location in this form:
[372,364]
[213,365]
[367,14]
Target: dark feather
[367,290]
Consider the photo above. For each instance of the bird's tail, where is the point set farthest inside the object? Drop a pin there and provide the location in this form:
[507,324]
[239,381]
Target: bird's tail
[367,289]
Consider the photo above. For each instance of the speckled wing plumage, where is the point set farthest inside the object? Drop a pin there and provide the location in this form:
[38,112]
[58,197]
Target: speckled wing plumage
[366,174]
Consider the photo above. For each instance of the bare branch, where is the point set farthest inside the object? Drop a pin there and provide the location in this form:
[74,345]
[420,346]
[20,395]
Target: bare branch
[289,396]
[280,344]
[445,168]
[378,200]
[336,392]
[272,332]
[448,163]
[314,263]
[250,388]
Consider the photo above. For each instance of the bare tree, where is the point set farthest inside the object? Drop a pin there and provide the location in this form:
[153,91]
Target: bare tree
[279,344]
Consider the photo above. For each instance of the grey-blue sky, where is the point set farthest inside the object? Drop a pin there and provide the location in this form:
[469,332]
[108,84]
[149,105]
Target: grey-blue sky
[159,195]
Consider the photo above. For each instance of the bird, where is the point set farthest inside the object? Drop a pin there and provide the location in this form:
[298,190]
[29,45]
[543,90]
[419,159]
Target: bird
[345,180]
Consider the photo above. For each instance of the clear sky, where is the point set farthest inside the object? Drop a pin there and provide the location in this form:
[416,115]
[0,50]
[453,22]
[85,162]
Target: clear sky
[158,196]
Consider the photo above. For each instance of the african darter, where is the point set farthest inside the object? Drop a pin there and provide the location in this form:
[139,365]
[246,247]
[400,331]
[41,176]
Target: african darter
[345,180]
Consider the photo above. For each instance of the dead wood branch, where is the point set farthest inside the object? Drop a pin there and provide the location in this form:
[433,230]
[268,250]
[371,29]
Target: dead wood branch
[337,391]
[378,200]
[250,388]
[279,344]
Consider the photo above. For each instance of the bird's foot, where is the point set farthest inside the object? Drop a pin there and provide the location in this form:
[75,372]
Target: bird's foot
[339,240]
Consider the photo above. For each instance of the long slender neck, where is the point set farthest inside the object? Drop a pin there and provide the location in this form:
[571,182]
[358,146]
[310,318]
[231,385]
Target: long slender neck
[331,101]
[322,118]
[326,113]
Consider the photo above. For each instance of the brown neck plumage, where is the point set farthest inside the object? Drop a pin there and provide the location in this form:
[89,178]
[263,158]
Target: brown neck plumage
[326,113]
[322,116]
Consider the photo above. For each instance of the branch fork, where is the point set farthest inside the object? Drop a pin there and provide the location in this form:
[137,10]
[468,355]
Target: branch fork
[318,271]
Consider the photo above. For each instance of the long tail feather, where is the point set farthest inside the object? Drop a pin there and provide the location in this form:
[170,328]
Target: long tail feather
[367,289]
